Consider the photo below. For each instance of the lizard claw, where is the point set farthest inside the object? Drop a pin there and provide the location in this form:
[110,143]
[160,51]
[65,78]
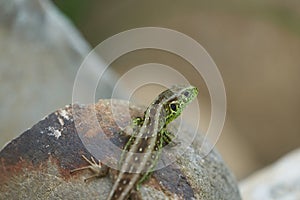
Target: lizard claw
[97,169]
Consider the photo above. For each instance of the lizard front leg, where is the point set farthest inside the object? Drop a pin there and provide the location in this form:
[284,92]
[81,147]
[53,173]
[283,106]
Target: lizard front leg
[168,138]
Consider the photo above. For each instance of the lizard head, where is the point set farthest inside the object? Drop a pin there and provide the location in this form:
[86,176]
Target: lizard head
[175,99]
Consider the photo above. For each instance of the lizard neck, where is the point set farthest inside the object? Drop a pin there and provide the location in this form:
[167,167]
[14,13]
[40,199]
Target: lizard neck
[154,121]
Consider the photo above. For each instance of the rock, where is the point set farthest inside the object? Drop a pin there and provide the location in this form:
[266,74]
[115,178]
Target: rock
[37,164]
[278,181]
[40,53]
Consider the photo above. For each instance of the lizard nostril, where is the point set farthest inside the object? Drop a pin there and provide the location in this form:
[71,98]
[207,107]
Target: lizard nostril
[186,93]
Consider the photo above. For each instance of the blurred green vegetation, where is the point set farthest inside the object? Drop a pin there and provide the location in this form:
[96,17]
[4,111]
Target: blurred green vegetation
[76,10]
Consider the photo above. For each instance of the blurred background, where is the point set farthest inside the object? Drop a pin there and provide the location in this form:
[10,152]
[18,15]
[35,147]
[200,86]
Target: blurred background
[255,44]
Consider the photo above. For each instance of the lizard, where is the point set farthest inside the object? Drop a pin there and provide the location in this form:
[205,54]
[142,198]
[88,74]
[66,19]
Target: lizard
[149,135]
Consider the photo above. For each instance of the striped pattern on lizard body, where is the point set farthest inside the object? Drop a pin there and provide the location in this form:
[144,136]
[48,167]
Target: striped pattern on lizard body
[143,149]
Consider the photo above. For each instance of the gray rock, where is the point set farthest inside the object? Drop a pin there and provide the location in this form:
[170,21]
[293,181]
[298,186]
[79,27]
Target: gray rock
[40,53]
[278,181]
[37,164]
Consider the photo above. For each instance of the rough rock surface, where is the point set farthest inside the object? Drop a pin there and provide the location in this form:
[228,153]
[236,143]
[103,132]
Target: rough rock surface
[37,164]
[279,181]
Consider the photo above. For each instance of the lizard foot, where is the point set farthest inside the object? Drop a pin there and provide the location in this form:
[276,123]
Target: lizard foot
[98,169]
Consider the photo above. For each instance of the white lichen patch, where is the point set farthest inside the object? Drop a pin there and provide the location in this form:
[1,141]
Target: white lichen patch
[54,132]
[61,121]
[64,114]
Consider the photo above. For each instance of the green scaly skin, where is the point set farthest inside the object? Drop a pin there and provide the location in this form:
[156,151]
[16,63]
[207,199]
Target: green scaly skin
[144,147]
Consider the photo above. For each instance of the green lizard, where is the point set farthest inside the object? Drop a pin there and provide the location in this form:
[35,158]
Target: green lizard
[149,135]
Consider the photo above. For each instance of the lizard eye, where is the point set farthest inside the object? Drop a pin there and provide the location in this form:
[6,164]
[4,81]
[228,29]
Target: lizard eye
[173,107]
